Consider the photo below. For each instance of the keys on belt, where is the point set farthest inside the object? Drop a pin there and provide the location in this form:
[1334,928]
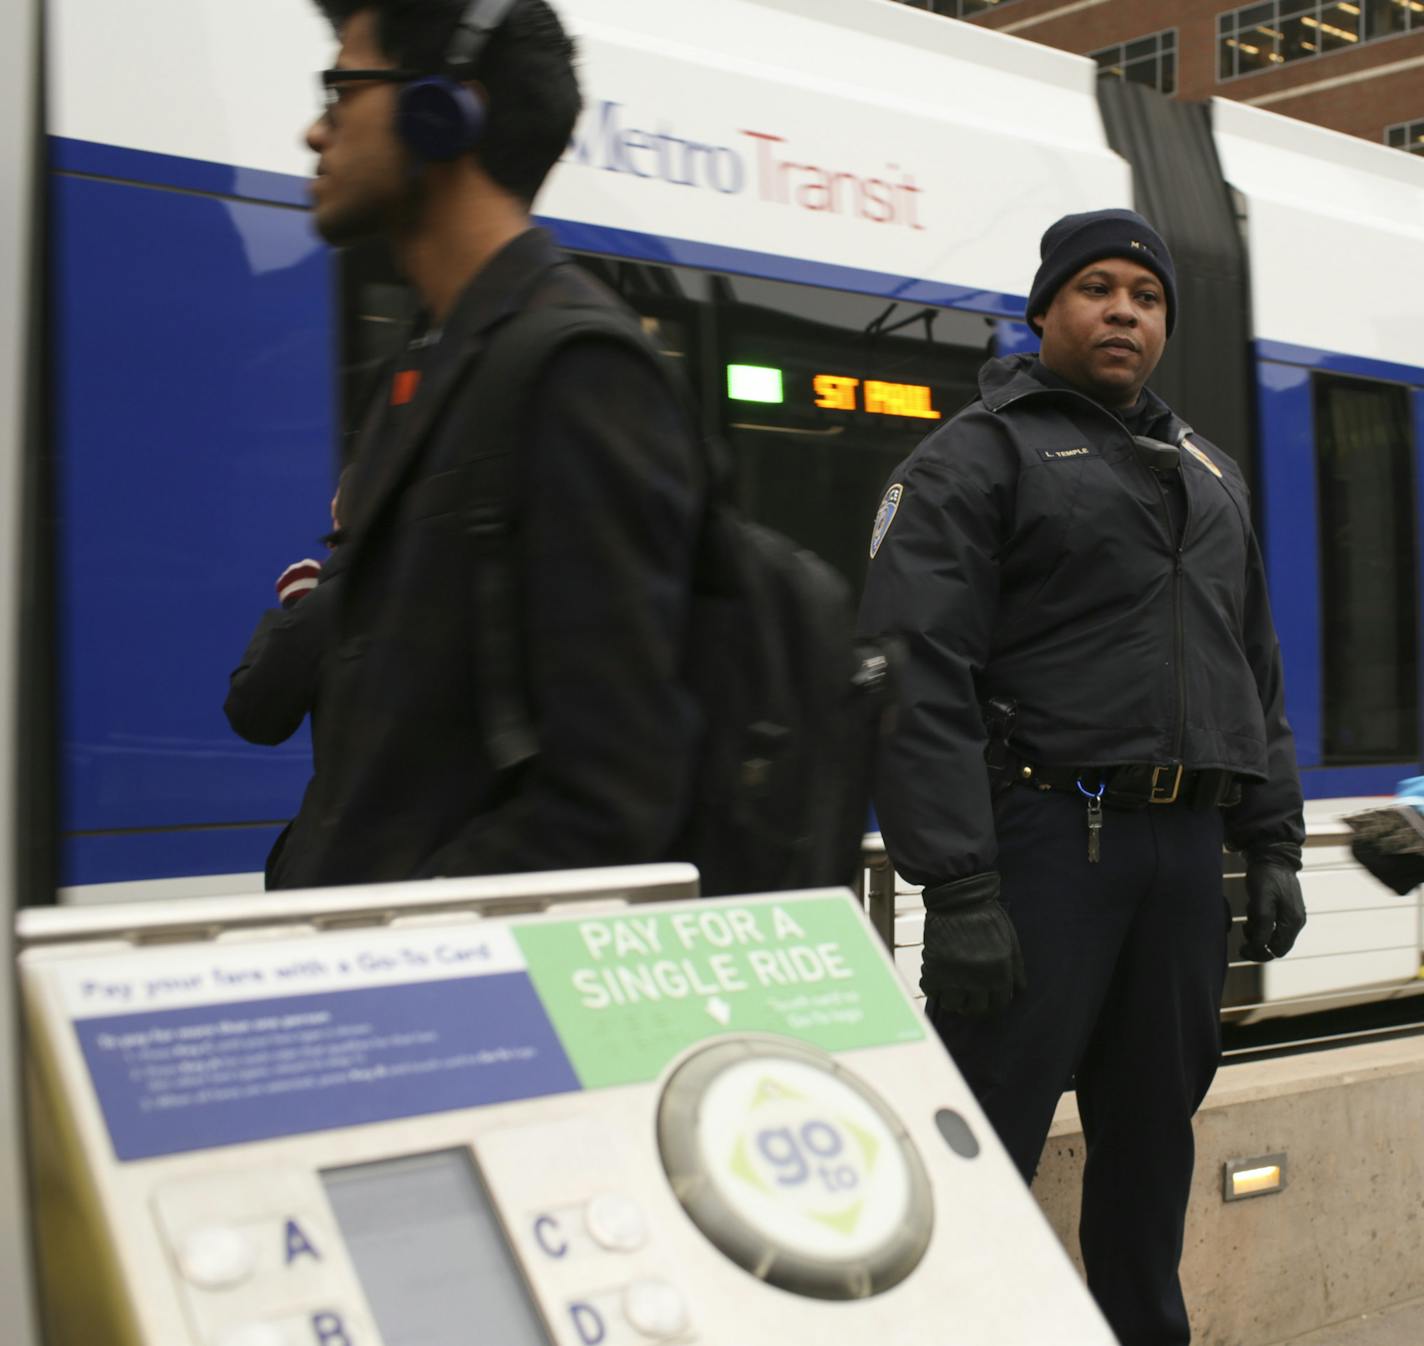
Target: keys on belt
[1132,787]
[1095,819]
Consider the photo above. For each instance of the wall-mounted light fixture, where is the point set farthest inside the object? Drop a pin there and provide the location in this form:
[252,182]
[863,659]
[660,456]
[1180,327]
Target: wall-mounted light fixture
[1262,1175]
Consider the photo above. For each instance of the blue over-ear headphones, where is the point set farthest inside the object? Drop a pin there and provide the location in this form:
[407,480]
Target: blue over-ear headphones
[440,117]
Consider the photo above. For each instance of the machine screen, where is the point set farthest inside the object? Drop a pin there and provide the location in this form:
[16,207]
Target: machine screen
[428,1248]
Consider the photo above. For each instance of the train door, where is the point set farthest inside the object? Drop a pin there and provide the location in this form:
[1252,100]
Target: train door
[1340,502]
[1340,449]
[1332,227]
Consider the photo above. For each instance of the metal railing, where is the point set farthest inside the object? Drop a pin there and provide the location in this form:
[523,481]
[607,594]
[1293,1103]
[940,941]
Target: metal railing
[1243,997]
[877,887]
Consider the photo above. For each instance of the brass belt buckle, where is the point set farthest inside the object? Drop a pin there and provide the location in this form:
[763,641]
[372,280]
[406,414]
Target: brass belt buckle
[1157,796]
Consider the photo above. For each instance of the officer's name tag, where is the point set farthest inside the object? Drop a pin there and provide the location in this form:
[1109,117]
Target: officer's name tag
[1082,451]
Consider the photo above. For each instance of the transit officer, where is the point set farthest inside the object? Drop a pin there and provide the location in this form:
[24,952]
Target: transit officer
[1091,703]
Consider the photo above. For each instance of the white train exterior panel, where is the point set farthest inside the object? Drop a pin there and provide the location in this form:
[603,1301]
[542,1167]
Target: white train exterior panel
[200,79]
[909,148]
[1336,234]
[1289,978]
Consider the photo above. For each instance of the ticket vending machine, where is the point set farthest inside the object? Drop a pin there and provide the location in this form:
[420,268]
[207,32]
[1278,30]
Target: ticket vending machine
[560,1109]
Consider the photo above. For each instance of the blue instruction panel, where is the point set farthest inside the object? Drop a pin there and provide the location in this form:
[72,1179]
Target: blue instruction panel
[370,1029]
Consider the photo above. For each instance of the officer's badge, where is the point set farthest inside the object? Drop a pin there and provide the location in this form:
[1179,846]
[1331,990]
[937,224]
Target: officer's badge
[1201,458]
[885,516]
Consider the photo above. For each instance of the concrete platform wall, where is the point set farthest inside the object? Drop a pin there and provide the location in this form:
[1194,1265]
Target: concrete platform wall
[1345,1237]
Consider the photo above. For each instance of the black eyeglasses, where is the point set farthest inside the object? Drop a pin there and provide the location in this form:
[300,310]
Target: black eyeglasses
[332,82]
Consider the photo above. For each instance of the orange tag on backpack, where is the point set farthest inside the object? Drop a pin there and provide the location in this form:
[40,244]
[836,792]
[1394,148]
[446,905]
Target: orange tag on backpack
[403,387]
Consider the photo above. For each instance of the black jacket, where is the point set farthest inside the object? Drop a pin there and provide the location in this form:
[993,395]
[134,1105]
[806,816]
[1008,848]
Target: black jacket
[609,497]
[274,686]
[1031,557]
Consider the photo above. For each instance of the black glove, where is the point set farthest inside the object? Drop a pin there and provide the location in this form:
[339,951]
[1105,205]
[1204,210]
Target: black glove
[1387,842]
[1275,910]
[972,963]
[1402,873]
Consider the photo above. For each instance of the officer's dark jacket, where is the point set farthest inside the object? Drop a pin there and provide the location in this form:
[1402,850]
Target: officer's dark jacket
[609,496]
[1030,557]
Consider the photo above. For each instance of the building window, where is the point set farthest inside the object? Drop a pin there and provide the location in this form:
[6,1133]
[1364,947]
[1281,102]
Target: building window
[1406,136]
[1260,36]
[1364,458]
[957,9]
[1150,60]
[1385,18]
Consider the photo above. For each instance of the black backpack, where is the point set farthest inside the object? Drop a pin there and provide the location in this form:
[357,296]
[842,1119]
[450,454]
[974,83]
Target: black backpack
[793,705]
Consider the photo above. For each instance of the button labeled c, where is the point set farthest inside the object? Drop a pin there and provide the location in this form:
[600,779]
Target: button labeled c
[616,1223]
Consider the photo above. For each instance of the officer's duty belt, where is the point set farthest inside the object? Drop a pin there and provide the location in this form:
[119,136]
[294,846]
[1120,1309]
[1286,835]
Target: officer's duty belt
[1137,786]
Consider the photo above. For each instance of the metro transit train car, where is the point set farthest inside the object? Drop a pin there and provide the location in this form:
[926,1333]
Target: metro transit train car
[828,212]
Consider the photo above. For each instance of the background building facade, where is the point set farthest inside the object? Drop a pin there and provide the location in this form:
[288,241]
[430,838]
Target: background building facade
[1353,65]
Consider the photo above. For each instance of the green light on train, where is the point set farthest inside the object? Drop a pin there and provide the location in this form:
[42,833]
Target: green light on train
[754,383]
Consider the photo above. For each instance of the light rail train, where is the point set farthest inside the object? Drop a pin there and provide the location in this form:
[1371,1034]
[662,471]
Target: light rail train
[828,211]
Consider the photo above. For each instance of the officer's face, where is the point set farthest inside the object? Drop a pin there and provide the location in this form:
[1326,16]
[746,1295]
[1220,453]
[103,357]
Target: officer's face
[362,186]
[1105,330]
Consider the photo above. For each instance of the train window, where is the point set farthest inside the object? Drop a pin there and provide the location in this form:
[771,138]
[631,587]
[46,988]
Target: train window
[1364,460]
[861,383]
[816,393]
[376,313]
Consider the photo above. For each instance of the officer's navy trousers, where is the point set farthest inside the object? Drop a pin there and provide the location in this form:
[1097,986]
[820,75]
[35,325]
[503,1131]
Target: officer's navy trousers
[1125,961]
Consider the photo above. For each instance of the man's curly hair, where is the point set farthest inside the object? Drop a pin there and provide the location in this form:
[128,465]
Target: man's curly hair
[527,70]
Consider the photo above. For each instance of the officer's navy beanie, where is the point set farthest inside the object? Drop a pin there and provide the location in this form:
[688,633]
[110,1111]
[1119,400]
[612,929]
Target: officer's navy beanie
[1076,240]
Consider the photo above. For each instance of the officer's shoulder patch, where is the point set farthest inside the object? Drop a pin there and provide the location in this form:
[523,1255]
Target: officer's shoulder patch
[1077,451]
[885,516]
[1201,458]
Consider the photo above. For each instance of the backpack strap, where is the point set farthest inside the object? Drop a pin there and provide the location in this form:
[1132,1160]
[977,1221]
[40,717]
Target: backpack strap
[495,404]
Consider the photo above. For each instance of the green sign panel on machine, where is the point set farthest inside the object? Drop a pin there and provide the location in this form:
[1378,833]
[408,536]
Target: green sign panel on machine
[628,992]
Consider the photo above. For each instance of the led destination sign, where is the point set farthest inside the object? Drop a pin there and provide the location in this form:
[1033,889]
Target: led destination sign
[838,392]
[834,392]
